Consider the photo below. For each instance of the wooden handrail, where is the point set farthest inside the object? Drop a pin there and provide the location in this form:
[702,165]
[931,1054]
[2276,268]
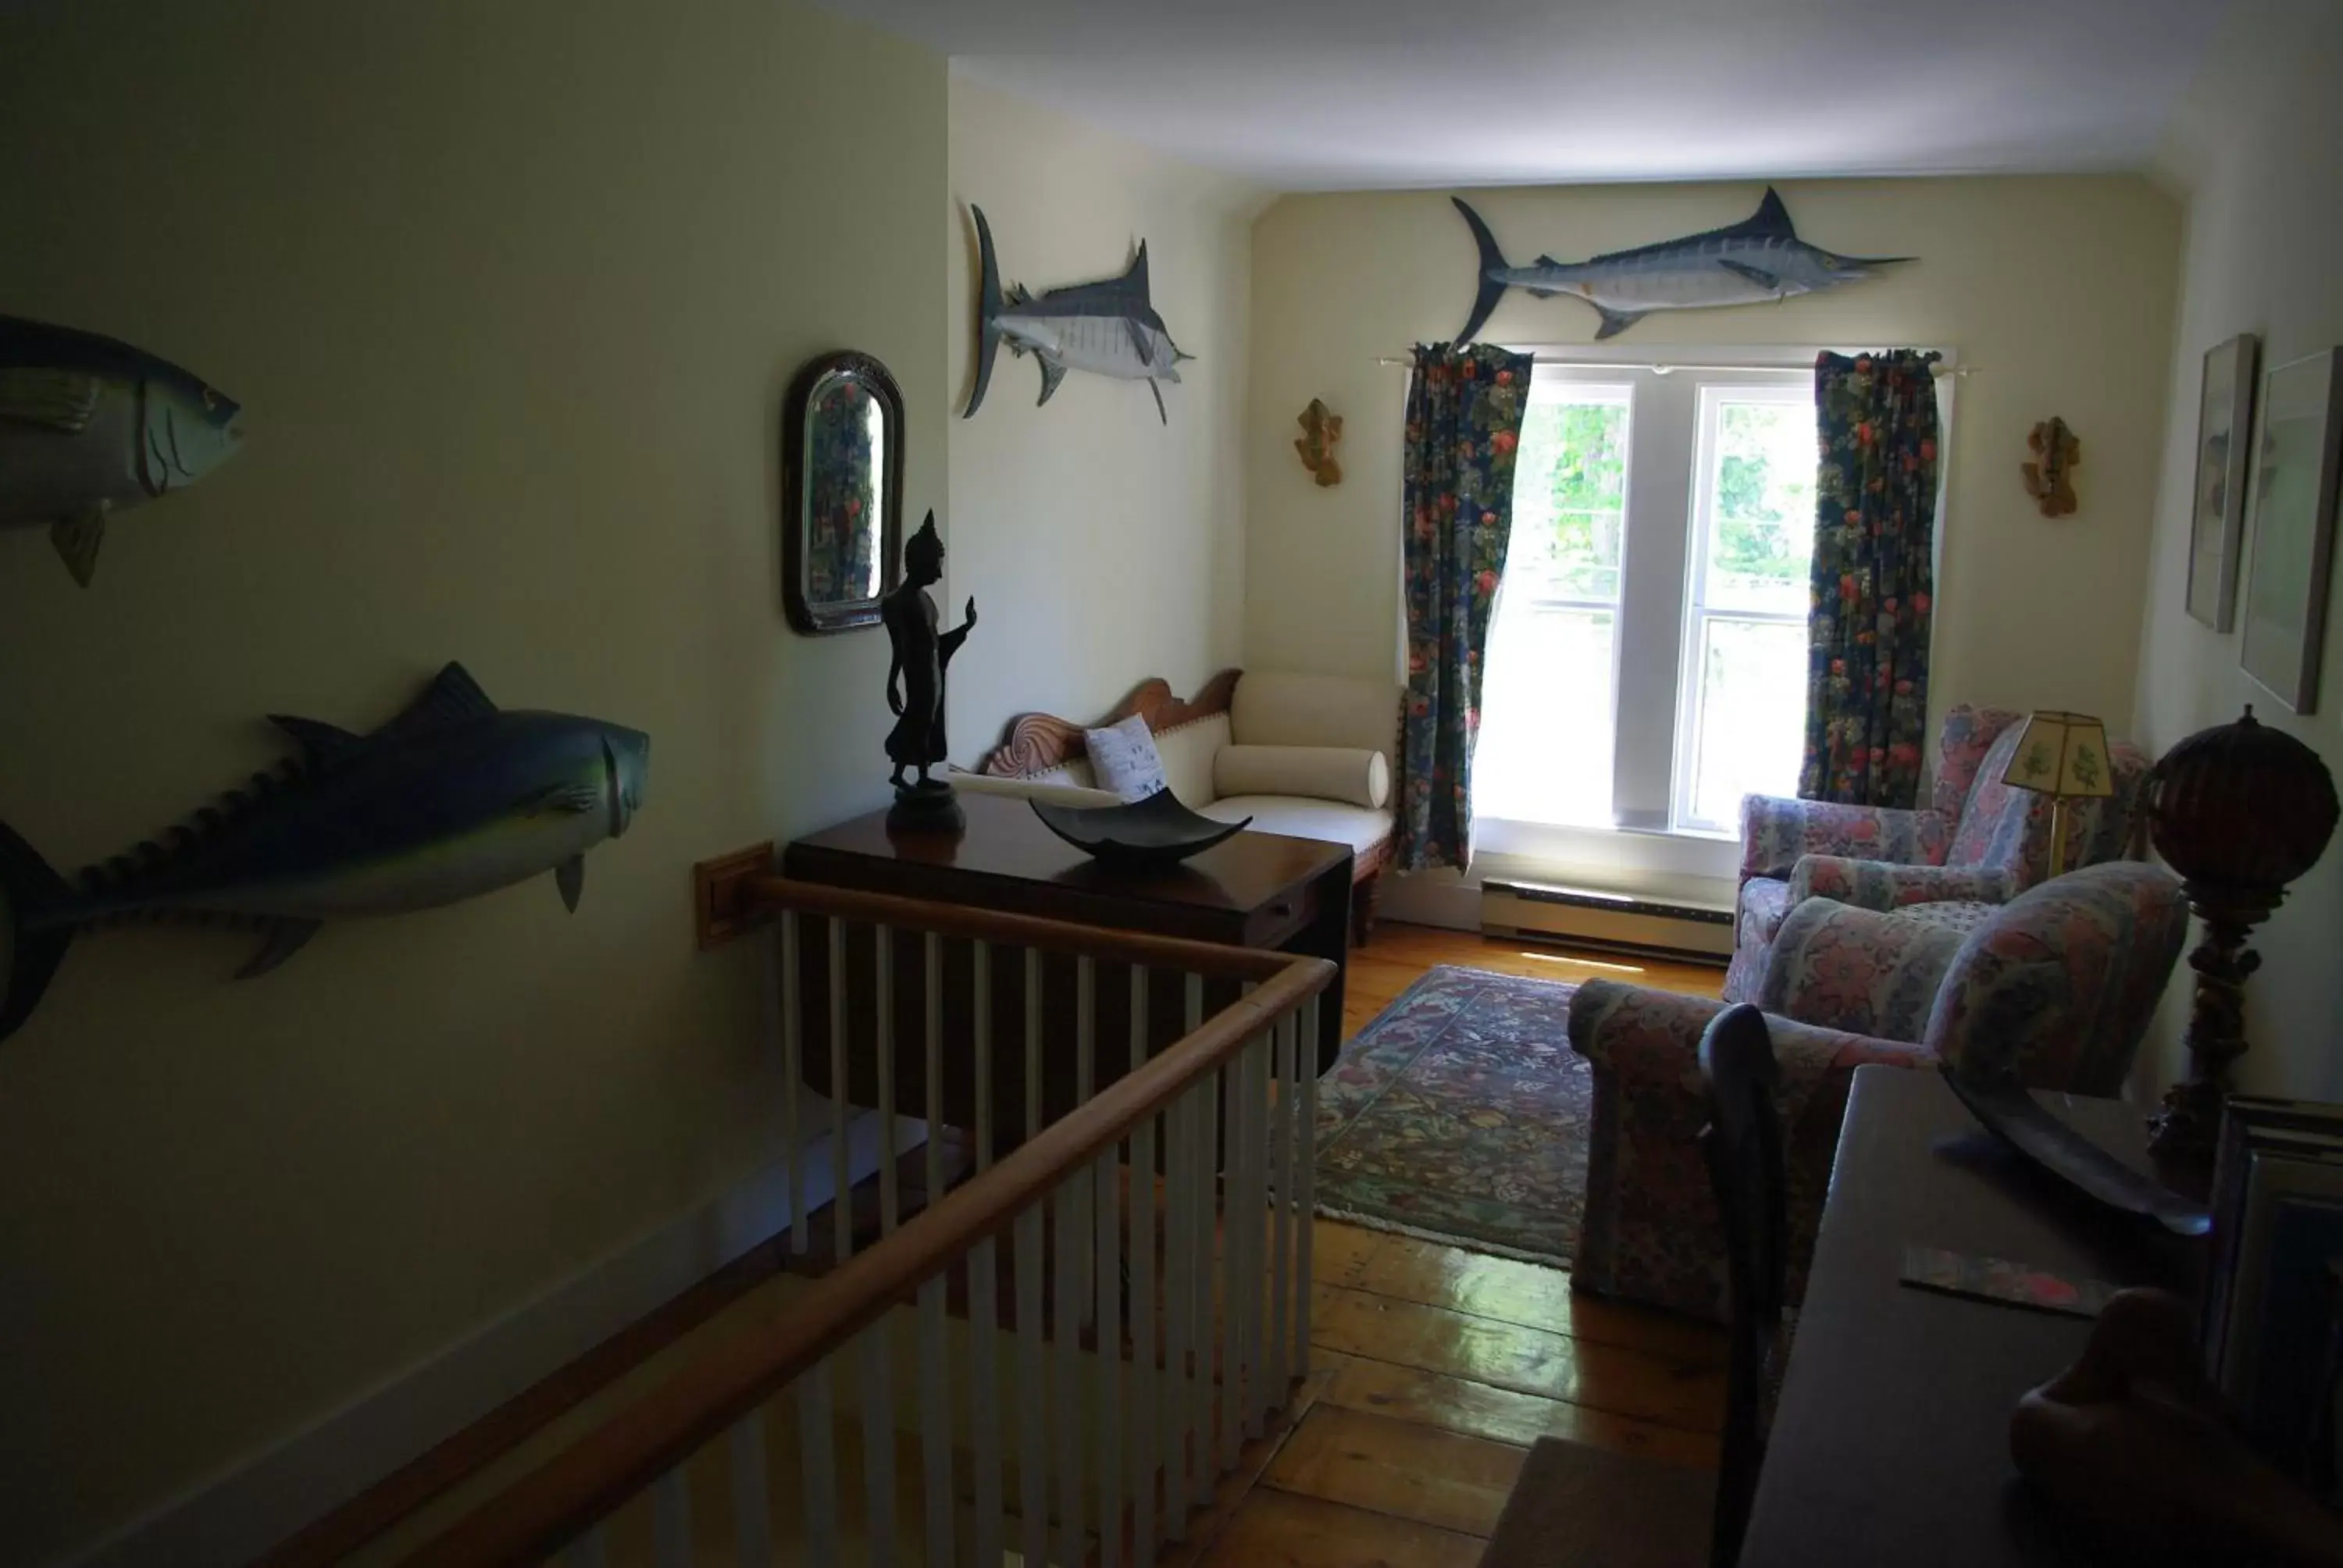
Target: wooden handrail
[773,894]
[545,1511]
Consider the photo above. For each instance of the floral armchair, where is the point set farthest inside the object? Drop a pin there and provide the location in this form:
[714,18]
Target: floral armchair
[1978,842]
[2059,983]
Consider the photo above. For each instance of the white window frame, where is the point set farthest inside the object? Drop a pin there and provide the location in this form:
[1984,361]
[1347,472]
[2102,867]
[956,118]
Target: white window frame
[1697,615]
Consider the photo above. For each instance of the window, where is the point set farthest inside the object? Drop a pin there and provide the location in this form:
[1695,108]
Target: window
[1646,665]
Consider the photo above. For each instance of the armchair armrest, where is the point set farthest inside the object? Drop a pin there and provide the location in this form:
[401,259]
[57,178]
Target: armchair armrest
[1651,1232]
[1775,831]
[1878,885]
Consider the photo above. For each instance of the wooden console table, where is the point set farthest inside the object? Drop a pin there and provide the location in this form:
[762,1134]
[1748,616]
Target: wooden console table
[1255,890]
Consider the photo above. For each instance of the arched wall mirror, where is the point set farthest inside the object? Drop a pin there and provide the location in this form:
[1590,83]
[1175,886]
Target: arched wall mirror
[841,492]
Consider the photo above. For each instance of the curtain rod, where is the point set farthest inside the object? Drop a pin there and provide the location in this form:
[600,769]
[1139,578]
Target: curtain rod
[1670,366]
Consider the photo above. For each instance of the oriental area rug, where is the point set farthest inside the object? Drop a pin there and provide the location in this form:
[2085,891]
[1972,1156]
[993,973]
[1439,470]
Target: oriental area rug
[1460,1115]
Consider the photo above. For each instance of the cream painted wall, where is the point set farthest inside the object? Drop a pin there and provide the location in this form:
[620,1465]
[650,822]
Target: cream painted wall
[2057,290]
[2259,144]
[1102,546]
[510,295]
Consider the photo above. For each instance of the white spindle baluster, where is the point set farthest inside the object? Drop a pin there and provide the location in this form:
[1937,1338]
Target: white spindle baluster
[984,1303]
[878,1444]
[935,1066]
[1032,1393]
[1203,1158]
[591,1549]
[672,1520]
[1280,1159]
[792,1073]
[817,1463]
[1305,1142]
[1104,1202]
[1233,1282]
[1256,1212]
[752,1511]
[1085,1086]
[882,947]
[1144,1379]
[841,1207]
[1178,1274]
[936,1422]
[1032,1042]
[1065,1226]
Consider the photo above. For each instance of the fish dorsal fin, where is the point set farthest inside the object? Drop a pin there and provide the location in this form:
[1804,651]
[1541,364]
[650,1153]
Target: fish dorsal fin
[1549,261]
[322,743]
[1020,294]
[1137,276]
[1770,221]
[1052,372]
[452,695]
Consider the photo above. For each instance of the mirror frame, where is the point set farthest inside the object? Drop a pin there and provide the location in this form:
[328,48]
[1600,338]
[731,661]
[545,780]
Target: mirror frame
[813,620]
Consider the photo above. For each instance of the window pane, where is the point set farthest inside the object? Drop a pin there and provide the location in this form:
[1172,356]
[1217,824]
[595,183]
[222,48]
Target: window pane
[1570,493]
[1545,752]
[1762,532]
[1752,727]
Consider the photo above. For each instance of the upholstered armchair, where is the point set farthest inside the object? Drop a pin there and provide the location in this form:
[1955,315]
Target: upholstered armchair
[1978,841]
[2059,983]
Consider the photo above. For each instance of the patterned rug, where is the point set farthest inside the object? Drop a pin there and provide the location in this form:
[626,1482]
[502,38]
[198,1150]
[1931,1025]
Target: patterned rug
[1460,1114]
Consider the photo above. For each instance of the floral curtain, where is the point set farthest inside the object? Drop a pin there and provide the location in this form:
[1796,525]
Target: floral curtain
[1464,412]
[1873,583]
[841,499]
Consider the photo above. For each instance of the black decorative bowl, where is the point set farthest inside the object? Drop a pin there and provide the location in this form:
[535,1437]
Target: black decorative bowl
[1156,831]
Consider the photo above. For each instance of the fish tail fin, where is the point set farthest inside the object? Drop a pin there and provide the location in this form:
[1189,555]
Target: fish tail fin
[34,952]
[989,305]
[1492,260]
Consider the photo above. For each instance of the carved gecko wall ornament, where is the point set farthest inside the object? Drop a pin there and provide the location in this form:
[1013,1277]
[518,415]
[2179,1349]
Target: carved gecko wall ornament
[1323,432]
[2049,479]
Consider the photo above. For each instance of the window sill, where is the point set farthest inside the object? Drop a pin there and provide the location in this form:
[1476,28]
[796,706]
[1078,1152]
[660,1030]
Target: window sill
[1648,861]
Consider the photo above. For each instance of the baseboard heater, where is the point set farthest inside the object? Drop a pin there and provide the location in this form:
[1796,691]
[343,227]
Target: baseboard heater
[1613,922]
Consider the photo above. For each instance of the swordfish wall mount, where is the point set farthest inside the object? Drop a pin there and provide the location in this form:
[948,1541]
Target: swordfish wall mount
[1758,259]
[452,798]
[1108,327]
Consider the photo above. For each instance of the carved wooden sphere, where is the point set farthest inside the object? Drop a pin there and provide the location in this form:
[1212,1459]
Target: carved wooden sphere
[2241,805]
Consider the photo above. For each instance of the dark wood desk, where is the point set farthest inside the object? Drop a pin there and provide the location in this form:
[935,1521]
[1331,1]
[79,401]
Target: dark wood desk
[1255,889]
[1891,1444]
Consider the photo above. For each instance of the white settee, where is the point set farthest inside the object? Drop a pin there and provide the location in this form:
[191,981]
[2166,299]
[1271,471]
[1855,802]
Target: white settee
[1246,745]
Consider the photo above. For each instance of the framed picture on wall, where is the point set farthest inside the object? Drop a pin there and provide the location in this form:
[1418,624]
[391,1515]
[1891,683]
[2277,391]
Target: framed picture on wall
[2224,410]
[2294,477]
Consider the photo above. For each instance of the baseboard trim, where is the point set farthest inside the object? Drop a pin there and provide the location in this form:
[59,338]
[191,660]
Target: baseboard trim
[254,1506]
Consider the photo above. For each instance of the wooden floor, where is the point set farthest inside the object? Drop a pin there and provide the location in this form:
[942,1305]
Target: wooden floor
[1435,1369]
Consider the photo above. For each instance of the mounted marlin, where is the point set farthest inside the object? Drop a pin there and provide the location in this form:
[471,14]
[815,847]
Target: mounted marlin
[1107,328]
[1757,259]
[452,798]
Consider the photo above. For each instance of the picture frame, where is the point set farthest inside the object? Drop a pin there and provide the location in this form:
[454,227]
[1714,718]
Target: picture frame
[2217,532]
[2296,454]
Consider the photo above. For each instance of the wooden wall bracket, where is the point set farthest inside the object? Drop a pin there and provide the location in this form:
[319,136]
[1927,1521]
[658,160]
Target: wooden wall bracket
[720,907]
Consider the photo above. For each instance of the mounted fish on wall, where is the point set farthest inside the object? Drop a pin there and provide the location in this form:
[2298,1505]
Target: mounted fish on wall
[1107,328]
[452,798]
[88,426]
[1760,258]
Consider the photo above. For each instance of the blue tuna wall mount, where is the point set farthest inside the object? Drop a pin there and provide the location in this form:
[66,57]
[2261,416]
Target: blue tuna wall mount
[1108,327]
[452,798]
[89,426]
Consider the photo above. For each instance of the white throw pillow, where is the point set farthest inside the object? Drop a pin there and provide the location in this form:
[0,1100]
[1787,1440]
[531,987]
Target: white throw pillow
[1124,759]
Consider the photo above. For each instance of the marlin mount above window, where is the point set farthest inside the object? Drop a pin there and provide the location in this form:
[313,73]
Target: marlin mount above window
[1760,258]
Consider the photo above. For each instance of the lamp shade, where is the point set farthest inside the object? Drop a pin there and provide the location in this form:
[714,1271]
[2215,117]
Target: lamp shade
[2062,754]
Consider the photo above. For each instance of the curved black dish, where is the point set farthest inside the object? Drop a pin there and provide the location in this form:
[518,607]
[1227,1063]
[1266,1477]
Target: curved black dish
[1155,831]
[2019,1119]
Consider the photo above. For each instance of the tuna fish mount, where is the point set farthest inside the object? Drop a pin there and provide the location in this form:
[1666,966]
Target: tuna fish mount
[89,427]
[452,798]
[1108,327]
[1759,259]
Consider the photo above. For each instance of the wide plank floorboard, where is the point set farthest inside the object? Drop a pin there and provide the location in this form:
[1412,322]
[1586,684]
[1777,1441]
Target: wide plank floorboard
[1385,1465]
[1275,1529]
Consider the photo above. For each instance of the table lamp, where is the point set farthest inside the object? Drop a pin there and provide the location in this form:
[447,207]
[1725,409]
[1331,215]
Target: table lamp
[2065,756]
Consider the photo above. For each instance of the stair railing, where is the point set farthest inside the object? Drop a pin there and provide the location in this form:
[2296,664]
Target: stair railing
[1148,1250]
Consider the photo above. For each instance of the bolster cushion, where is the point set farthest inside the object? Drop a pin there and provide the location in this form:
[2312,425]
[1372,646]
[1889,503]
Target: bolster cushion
[1315,772]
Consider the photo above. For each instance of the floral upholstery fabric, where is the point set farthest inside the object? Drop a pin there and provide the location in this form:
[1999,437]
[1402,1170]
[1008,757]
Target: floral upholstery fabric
[1464,408]
[1975,824]
[2059,987]
[2059,983]
[1857,971]
[1764,901]
[1871,580]
[1952,915]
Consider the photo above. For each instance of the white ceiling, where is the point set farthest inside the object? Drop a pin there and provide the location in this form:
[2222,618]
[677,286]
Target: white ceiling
[1305,95]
